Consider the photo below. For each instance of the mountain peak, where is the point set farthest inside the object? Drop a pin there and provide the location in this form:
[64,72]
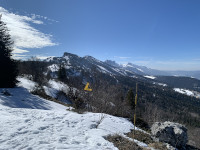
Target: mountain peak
[90,58]
[69,54]
[112,63]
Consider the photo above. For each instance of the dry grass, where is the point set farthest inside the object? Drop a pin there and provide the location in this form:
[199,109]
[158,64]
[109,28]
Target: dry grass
[194,137]
[158,145]
[141,136]
[122,143]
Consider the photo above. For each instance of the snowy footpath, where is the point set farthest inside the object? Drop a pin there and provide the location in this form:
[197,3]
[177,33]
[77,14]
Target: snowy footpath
[29,122]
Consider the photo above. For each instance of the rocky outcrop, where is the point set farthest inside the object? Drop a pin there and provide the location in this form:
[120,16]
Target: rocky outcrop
[173,133]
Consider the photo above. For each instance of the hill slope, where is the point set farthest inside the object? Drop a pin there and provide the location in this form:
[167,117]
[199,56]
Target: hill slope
[30,122]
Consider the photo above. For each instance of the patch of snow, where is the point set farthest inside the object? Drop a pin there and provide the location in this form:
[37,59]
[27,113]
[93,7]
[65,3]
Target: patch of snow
[184,91]
[139,143]
[150,77]
[66,57]
[56,86]
[53,67]
[129,66]
[161,84]
[118,71]
[123,65]
[134,77]
[26,83]
[103,69]
[140,69]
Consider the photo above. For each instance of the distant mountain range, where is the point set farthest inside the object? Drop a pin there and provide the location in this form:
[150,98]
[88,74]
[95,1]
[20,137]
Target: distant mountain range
[77,66]
[110,66]
[142,70]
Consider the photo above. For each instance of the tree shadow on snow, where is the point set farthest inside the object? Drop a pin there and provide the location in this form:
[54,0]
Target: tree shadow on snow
[21,98]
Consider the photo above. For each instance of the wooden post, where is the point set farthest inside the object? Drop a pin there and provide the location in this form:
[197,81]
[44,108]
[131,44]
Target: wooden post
[135,110]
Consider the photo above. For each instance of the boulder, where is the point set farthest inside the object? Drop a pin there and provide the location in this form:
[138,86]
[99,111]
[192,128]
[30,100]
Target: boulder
[169,132]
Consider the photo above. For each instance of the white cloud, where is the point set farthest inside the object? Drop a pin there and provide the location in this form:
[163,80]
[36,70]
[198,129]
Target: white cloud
[34,16]
[23,34]
[43,57]
[121,57]
[18,56]
[19,51]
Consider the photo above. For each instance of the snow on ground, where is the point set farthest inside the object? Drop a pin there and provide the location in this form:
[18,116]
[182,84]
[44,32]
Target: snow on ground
[127,65]
[29,122]
[53,67]
[161,84]
[188,92]
[140,69]
[66,57]
[21,98]
[104,70]
[26,83]
[118,70]
[54,87]
[184,91]
[150,77]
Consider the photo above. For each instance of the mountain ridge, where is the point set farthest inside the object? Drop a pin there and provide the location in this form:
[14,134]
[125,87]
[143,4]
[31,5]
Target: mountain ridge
[136,69]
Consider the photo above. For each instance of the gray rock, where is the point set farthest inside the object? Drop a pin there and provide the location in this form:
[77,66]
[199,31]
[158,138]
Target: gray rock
[173,133]
[93,126]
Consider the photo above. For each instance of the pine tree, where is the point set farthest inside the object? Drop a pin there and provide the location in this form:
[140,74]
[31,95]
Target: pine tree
[8,65]
[130,98]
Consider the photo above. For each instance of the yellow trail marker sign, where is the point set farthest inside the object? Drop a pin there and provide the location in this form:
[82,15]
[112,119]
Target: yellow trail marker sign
[87,87]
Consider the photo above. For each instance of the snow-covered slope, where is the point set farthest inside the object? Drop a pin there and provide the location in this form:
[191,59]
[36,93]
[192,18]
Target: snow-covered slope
[30,122]
[150,77]
[26,83]
[52,129]
[52,88]
[21,98]
[187,92]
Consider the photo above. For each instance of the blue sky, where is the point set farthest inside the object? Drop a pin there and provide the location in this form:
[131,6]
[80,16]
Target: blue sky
[160,34]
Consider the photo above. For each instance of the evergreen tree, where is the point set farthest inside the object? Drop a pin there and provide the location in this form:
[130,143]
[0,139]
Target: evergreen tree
[62,73]
[8,65]
[130,98]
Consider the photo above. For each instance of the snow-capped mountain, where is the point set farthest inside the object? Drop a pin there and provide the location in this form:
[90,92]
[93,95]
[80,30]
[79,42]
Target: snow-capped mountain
[88,63]
[79,66]
[142,70]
